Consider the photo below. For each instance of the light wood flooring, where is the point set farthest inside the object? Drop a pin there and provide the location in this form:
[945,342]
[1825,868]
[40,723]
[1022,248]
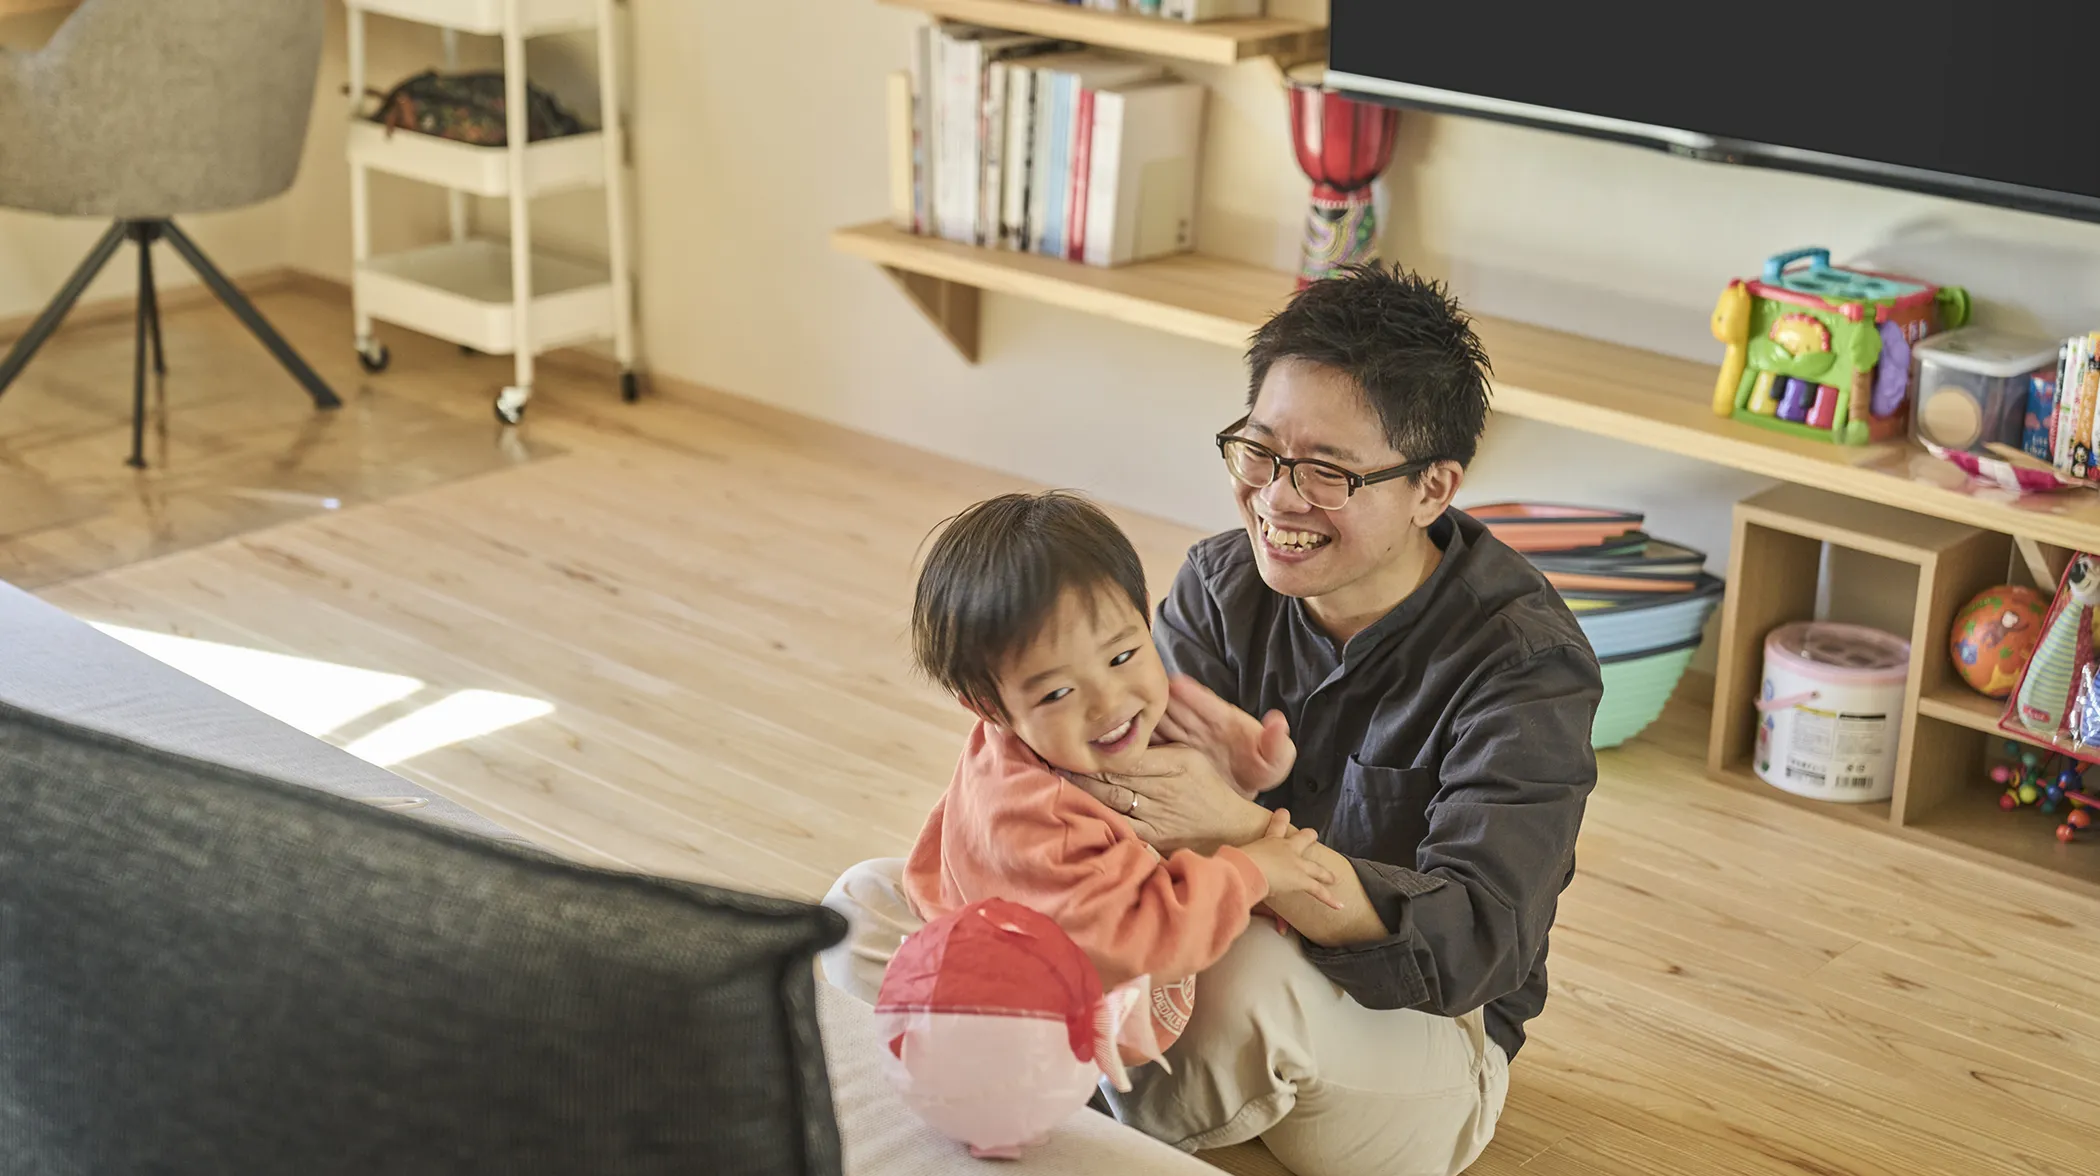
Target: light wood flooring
[712,596]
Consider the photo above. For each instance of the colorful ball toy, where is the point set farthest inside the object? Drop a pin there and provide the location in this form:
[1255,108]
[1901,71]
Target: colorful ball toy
[1994,635]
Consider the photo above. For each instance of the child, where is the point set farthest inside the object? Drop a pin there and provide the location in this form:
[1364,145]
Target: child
[1031,609]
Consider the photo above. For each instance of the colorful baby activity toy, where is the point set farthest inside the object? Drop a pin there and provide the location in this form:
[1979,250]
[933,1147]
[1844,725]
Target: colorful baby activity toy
[1824,352]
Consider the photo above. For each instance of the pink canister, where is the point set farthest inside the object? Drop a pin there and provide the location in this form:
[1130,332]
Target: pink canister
[1831,710]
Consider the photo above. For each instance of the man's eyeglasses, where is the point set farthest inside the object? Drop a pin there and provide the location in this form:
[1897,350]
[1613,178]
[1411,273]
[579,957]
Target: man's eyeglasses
[1320,483]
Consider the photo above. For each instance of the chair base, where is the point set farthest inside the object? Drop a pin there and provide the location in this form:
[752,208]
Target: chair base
[144,232]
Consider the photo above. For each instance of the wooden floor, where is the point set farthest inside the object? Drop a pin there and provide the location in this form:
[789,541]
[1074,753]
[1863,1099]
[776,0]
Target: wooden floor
[233,442]
[713,599]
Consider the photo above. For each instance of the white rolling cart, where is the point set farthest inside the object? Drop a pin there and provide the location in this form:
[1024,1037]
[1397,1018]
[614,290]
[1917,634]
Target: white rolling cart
[492,296]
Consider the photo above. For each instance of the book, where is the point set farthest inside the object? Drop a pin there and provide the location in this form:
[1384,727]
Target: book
[962,54]
[1147,144]
[992,130]
[1020,157]
[922,129]
[1197,10]
[1082,161]
[1059,79]
[1041,157]
[899,108]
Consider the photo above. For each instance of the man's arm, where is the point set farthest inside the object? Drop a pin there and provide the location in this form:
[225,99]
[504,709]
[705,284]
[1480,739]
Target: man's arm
[1189,632]
[1464,924]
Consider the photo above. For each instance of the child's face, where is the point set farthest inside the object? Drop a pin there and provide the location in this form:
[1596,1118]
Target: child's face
[1086,694]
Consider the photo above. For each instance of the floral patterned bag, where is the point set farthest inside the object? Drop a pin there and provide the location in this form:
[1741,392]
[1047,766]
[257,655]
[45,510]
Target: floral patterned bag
[469,108]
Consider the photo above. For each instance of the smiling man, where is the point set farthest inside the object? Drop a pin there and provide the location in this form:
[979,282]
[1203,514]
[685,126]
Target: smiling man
[1427,700]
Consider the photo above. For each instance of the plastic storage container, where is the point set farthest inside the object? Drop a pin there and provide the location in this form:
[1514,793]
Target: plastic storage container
[1973,386]
[1831,710]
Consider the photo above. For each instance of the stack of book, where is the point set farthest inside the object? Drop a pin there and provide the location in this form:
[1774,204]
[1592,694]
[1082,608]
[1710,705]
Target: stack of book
[1017,142]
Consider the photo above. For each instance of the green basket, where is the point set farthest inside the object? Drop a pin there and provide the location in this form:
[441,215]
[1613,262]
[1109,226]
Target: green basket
[1636,688]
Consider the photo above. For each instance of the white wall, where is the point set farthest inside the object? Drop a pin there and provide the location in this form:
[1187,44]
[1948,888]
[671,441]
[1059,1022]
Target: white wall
[759,127]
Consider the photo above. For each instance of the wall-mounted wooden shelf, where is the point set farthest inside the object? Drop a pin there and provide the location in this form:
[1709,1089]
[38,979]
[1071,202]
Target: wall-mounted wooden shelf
[1579,383]
[1217,42]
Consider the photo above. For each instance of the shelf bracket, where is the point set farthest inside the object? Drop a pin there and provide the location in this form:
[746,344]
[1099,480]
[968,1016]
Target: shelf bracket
[950,306]
[1306,48]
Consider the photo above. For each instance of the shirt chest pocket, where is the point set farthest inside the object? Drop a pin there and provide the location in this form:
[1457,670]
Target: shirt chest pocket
[1381,813]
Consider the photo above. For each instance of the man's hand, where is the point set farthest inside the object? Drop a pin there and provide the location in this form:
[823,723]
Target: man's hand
[1254,754]
[1178,799]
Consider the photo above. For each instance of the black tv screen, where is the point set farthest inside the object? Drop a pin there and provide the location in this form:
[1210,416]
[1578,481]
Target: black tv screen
[1995,103]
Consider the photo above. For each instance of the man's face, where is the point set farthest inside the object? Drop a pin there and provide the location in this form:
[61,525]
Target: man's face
[1311,410]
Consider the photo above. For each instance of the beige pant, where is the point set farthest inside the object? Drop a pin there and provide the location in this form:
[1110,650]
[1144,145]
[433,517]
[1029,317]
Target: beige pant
[1275,1050]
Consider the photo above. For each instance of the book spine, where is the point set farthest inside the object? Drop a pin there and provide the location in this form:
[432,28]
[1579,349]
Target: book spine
[2088,404]
[992,152]
[1082,172]
[969,139]
[898,108]
[922,130]
[1020,135]
[1104,180]
[1060,179]
[945,50]
[2066,392]
[1039,167]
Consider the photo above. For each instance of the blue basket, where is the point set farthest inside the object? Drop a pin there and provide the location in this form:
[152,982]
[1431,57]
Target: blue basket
[1618,624]
[1636,688]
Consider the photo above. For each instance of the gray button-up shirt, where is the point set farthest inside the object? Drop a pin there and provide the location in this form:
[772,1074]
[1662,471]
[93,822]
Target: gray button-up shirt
[1445,750]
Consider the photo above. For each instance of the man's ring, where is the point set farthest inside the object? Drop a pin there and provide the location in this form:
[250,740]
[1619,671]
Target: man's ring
[1132,810]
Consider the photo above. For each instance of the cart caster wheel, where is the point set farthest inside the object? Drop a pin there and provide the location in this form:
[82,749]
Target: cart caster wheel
[373,356]
[510,404]
[630,387]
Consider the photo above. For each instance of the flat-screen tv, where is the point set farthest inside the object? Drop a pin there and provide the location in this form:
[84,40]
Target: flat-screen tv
[1995,103]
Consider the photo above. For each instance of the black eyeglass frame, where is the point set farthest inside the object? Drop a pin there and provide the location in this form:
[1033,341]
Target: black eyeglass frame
[1279,463]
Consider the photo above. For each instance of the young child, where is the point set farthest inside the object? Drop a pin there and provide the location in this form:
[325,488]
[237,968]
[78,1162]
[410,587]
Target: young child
[1031,609]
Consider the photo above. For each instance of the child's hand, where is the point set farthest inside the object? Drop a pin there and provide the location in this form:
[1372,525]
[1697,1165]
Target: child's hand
[1281,856]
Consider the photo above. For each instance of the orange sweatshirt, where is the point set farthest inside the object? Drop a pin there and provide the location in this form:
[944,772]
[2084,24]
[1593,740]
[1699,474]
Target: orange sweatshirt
[1011,827]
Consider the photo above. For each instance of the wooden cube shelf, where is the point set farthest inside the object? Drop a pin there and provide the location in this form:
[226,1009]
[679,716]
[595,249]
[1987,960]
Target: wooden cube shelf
[1912,574]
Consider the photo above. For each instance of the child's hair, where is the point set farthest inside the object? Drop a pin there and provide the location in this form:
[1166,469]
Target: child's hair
[995,575]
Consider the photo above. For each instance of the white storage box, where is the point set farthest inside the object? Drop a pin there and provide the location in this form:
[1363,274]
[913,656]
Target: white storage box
[460,290]
[1972,386]
[571,161]
[486,16]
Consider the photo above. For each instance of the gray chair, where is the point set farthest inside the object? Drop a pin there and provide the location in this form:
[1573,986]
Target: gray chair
[144,110]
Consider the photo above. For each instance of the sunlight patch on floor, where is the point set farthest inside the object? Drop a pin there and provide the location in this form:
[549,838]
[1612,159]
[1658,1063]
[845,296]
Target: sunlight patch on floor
[320,697]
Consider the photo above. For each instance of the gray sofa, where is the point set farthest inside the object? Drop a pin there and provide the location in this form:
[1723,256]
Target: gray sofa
[227,946]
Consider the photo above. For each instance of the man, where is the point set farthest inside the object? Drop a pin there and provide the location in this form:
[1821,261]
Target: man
[1430,699]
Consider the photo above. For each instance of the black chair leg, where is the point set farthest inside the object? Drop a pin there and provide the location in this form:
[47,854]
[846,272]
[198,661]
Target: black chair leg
[55,312]
[137,460]
[151,295]
[244,310]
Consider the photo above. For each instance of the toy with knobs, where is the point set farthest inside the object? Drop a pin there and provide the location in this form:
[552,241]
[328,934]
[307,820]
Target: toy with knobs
[2051,783]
